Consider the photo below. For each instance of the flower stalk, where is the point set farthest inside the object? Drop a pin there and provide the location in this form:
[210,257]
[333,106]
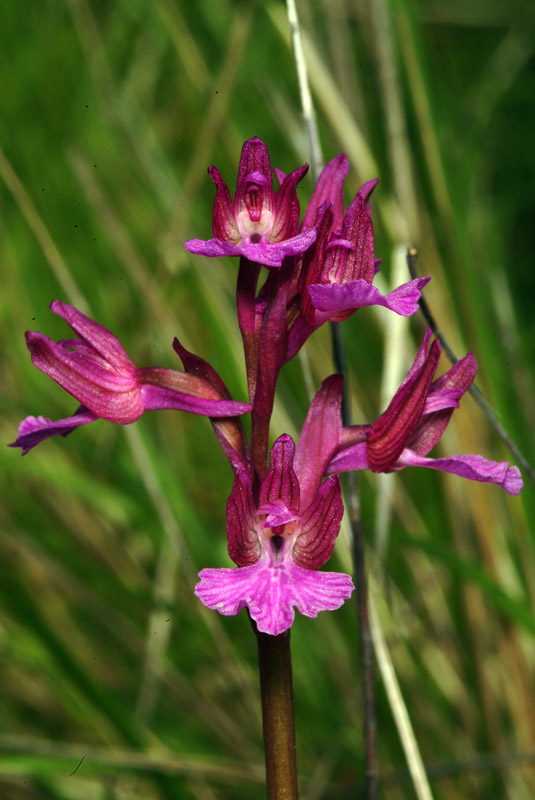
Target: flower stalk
[276,689]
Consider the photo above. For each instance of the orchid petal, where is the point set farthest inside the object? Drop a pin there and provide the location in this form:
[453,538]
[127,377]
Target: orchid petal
[286,220]
[393,429]
[473,467]
[334,299]
[242,538]
[223,220]
[434,419]
[320,437]
[321,525]
[99,338]
[34,430]
[280,482]
[269,254]
[329,186]
[271,594]
[351,458]
[159,397]
[112,395]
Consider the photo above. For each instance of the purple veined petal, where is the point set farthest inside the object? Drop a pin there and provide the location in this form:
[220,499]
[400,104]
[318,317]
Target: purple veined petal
[212,248]
[433,423]
[358,263]
[320,525]
[366,189]
[34,430]
[449,398]
[110,394]
[460,376]
[392,431]
[329,186]
[286,220]
[350,458]
[266,253]
[473,467]
[242,537]
[223,221]
[311,268]
[279,174]
[94,334]
[272,254]
[78,368]
[280,482]
[272,593]
[254,158]
[158,397]
[335,299]
[277,513]
[320,437]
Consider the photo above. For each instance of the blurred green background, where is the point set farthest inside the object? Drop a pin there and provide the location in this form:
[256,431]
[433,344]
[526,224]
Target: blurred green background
[116,682]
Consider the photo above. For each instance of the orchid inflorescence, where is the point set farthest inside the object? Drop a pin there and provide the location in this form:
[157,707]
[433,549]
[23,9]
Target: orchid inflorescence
[283,517]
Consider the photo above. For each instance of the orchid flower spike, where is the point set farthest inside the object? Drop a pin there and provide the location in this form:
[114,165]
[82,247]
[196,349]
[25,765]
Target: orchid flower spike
[260,224]
[96,370]
[280,540]
[414,422]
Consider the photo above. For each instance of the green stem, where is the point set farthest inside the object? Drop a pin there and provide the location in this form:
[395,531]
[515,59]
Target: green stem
[278,715]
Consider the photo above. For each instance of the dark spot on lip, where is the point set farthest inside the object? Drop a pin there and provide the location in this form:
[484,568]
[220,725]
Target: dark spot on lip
[277,543]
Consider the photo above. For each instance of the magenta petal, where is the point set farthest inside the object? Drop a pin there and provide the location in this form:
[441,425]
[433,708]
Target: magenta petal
[321,525]
[278,513]
[158,397]
[272,254]
[211,248]
[286,220]
[449,398]
[392,431]
[333,298]
[280,482]
[34,430]
[266,253]
[254,158]
[223,221]
[320,437]
[354,457]
[329,186]
[435,418]
[242,538]
[474,467]
[112,393]
[96,335]
[271,593]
